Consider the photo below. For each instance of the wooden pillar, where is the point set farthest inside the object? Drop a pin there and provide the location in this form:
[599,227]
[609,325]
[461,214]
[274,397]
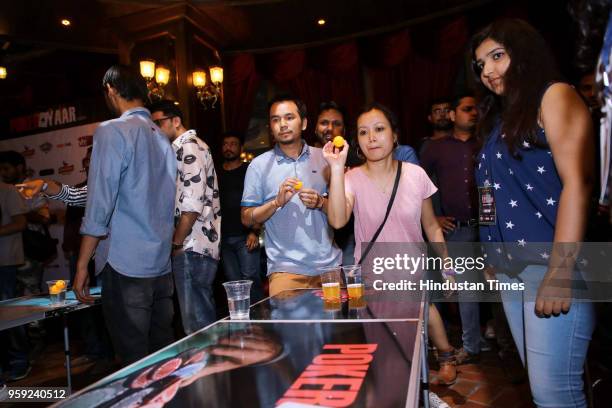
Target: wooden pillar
[183,72]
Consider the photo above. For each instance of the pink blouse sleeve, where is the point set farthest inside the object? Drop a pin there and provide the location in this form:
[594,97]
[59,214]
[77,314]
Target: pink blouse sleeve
[348,185]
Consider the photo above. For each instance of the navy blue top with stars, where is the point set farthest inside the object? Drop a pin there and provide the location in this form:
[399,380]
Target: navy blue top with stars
[526,193]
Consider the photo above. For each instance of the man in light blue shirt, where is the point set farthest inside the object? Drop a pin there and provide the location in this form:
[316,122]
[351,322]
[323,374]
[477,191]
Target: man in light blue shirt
[129,222]
[284,189]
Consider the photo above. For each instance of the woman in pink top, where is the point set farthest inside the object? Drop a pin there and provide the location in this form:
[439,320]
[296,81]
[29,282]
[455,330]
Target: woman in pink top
[366,190]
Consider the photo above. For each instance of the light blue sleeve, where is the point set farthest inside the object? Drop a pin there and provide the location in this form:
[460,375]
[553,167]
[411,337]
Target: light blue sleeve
[405,153]
[107,161]
[252,195]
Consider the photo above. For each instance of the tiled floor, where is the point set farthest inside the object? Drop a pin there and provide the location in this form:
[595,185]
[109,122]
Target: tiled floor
[483,385]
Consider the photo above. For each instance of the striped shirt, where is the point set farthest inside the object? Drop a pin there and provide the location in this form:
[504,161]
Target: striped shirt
[74,196]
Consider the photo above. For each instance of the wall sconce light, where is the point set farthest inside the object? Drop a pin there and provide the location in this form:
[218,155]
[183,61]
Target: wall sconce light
[246,157]
[208,95]
[2,72]
[157,78]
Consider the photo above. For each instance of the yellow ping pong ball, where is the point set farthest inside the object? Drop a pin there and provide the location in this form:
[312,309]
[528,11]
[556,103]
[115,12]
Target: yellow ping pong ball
[338,141]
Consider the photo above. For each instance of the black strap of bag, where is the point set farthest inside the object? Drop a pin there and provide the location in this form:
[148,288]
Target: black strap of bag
[391,199]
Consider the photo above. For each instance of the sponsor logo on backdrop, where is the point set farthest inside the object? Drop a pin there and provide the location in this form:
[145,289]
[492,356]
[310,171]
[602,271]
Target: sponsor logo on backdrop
[85,141]
[27,151]
[46,147]
[42,120]
[59,146]
[46,172]
[66,169]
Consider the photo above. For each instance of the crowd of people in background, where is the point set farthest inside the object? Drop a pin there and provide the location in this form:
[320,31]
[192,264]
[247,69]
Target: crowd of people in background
[160,215]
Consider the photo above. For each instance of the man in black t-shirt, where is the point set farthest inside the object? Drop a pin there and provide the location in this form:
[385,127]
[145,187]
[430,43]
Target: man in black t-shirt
[240,252]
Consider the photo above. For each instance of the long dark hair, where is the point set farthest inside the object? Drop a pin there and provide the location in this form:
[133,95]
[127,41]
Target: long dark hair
[532,68]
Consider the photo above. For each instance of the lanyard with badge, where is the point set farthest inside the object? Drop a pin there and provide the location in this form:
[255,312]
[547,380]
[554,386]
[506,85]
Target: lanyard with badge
[486,201]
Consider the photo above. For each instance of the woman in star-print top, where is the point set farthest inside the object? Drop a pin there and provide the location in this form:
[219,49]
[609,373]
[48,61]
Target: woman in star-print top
[537,146]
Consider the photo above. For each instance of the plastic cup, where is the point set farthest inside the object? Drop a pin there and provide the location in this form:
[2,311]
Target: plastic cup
[238,298]
[330,283]
[57,291]
[354,282]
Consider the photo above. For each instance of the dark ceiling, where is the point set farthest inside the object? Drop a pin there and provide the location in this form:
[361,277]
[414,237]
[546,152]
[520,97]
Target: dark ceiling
[234,25]
[49,63]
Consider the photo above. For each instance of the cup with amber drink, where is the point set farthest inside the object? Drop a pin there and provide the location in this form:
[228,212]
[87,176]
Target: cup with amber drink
[330,283]
[354,281]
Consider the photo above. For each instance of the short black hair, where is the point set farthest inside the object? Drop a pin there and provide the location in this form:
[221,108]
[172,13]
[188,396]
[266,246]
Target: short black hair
[331,105]
[457,99]
[128,83]
[301,106]
[168,107]
[437,101]
[232,133]
[12,157]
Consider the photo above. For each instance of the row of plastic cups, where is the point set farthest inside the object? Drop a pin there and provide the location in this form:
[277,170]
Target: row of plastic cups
[331,280]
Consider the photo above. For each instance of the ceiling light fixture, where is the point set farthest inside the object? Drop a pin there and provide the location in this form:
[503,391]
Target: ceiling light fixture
[2,72]
[321,22]
[65,22]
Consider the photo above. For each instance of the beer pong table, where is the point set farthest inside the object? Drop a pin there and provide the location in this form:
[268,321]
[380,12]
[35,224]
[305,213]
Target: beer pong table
[296,351]
[28,309]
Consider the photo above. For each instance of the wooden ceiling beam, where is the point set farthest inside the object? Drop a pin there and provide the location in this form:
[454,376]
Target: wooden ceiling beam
[143,21]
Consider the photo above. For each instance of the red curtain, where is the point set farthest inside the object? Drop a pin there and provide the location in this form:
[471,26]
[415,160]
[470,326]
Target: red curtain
[405,71]
[239,87]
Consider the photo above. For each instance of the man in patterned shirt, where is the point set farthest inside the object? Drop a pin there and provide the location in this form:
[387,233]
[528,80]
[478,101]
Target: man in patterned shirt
[197,235]
[195,245]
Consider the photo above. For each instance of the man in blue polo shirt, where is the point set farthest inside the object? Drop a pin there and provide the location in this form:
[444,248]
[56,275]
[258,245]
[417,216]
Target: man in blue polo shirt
[283,189]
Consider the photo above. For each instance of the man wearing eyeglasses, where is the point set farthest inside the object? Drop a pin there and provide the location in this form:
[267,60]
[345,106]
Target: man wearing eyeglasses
[196,240]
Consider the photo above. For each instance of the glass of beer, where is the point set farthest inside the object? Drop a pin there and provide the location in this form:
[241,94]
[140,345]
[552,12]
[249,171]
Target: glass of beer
[354,282]
[330,282]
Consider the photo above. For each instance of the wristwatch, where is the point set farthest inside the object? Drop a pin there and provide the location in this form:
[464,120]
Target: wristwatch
[177,246]
[44,187]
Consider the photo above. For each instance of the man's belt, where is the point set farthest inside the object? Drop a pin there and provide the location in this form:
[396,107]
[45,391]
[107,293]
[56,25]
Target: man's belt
[469,223]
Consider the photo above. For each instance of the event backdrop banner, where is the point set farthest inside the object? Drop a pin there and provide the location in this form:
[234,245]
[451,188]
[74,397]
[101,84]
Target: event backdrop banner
[55,155]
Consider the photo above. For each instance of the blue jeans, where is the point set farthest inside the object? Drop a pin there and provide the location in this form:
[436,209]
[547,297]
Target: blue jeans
[468,310]
[194,275]
[13,342]
[239,263]
[553,349]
